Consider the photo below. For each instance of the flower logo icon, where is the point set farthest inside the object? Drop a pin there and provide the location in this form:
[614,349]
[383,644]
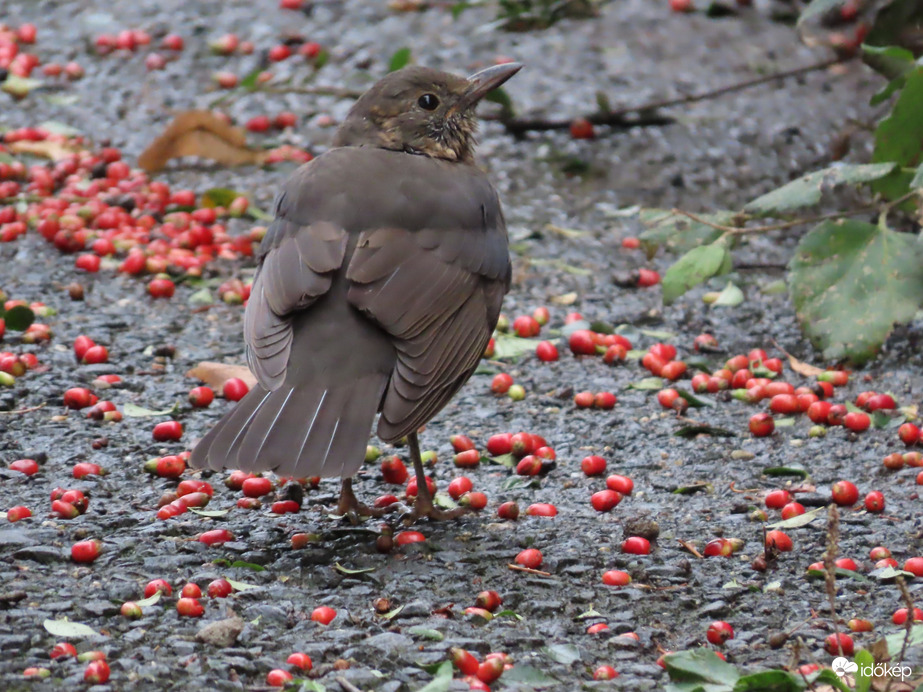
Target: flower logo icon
[841,666]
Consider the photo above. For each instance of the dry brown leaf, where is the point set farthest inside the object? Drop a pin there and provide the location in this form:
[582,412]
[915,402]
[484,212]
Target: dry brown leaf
[216,374]
[202,134]
[47,148]
[798,366]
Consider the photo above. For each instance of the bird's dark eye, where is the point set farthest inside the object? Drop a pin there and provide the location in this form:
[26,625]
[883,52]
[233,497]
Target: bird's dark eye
[428,102]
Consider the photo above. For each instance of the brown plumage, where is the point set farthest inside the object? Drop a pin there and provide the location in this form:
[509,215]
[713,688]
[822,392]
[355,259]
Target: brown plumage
[379,284]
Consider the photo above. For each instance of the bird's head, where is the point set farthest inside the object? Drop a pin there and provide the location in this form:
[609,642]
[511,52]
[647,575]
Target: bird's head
[422,111]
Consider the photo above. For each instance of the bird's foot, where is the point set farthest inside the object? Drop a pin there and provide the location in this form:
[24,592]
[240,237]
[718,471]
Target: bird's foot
[350,507]
[424,507]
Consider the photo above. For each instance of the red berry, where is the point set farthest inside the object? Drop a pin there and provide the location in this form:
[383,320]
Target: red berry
[96,354]
[461,443]
[718,547]
[581,128]
[285,120]
[501,383]
[219,588]
[526,326]
[279,53]
[200,397]
[668,398]
[762,425]
[158,585]
[161,288]
[407,537]
[257,486]
[857,421]
[636,545]
[278,677]
[499,445]
[719,632]
[259,123]
[880,402]
[845,493]
[792,509]
[191,590]
[900,615]
[96,672]
[584,400]
[216,537]
[673,370]
[620,484]
[488,600]
[173,42]
[779,540]
[605,673]
[323,614]
[509,511]
[605,500]
[648,277]
[85,551]
[394,471]
[86,468]
[168,431]
[235,389]
[26,466]
[859,625]
[909,434]
[521,444]
[593,465]
[682,5]
[18,513]
[459,486]
[542,509]
[530,558]
[839,644]
[777,499]
[300,661]
[546,351]
[875,501]
[615,577]
[582,343]
[604,400]
[915,566]
[466,663]
[78,398]
[819,411]
[189,608]
[468,459]
[784,404]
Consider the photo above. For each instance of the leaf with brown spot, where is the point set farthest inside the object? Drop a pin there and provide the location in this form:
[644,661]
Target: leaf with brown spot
[202,134]
[216,374]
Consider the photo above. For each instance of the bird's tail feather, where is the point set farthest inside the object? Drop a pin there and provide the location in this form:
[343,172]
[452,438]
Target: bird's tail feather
[295,431]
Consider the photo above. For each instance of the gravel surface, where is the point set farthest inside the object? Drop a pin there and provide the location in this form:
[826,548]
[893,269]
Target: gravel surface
[719,154]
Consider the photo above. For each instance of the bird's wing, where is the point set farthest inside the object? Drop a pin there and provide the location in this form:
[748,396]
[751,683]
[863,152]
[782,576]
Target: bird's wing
[296,269]
[438,294]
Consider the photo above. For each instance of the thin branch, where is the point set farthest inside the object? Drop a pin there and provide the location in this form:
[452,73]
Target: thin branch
[347,685]
[618,117]
[529,570]
[23,410]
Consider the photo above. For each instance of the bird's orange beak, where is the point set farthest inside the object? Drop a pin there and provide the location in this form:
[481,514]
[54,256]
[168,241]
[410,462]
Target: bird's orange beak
[482,83]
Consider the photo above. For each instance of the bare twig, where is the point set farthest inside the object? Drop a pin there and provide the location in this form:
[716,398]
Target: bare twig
[23,410]
[520,568]
[781,226]
[908,601]
[347,685]
[643,113]
[691,548]
[833,540]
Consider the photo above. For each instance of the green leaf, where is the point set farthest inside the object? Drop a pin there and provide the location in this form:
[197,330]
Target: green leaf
[865,661]
[247,565]
[59,128]
[730,297]
[203,295]
[209,512]
[240,586]
[896,641]
[345,570]
[135,411]
[391,614]
[818,7]
[806,191]
[648,384]
[661,334]
[443,679]
[66,628]
[503,460]
[851,282]
[698,265]
[769,681]
[886,573]
[508,613]
[695,400]
[508,346]
[829,677]
[249,82]
[893,62]
[784,422]
[305,685]
[219,197]
[500,96]
[700,665]
[150,600]
[528,675]
[899,137]
[401,58]
[800,520]
[677,232]
[18,318]
[426,633]
[917,182]
[19,86]
[562,653]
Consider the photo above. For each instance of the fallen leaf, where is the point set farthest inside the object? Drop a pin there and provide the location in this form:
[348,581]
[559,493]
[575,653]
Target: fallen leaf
[216,374]
[68,629]
[798,366]
[200,133]
[47,149]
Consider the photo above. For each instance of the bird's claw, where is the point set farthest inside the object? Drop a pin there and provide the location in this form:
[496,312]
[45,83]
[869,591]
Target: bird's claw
[424,507]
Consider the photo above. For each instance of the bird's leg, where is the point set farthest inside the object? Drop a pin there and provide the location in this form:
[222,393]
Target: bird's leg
[351,507]
[423,505]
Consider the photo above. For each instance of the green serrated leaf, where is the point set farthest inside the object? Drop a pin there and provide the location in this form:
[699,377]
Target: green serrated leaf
[400,59]
[899,137]
[18,318]
[807,190]
[345,570]
[134,411]
[696,266]
[677,232]
[800,520]
[68,629]
[239,585]
[700,665]
[442,681]
[851,282]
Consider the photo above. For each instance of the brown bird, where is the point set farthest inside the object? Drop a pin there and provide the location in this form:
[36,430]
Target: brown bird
[378,287]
